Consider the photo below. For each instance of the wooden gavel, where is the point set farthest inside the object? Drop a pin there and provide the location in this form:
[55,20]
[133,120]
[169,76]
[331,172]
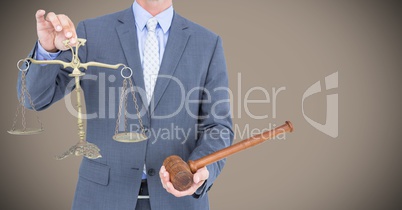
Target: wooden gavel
[181,173]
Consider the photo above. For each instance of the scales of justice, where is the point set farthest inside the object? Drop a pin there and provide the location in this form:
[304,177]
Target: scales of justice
[83,147]
[181,173]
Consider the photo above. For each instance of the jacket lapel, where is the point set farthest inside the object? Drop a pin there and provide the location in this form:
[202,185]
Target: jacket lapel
[129,42]
[178,38]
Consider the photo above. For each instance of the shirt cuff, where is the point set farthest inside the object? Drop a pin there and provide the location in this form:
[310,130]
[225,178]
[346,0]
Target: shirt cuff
[42,54]
[201,191]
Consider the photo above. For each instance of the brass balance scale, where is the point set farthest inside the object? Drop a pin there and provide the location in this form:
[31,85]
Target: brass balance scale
[83,147]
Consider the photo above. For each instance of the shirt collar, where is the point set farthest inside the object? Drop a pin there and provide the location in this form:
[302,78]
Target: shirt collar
[141,17]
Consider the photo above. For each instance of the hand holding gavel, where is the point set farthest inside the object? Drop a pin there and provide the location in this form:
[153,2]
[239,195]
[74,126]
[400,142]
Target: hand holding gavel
[181,173]
[199,178]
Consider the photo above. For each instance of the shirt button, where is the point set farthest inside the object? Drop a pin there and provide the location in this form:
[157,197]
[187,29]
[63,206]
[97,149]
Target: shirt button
[151,172]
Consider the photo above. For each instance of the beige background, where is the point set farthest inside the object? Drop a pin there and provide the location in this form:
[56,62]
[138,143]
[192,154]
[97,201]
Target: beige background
[288,43]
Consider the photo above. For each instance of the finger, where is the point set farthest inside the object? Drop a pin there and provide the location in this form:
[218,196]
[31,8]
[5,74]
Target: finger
[40,16]
[65,23]
[201,175]
[170,189]
[164,176]
[162,170]
[52,18]
[198,185]
[74,37]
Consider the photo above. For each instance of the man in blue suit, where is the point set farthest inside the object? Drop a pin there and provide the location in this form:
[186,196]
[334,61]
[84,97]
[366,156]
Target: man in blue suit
[183,99]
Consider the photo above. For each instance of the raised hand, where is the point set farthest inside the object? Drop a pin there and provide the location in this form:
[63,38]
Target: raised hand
[53,29]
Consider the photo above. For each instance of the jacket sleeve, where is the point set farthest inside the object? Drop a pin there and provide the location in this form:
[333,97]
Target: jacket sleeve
[215,124]
[46,84]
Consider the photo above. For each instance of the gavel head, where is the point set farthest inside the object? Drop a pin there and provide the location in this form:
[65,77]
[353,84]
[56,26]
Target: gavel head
[179,171]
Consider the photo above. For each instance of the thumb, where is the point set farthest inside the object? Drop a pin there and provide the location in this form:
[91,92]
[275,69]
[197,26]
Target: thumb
[196,178]
[201,175]
[40,16]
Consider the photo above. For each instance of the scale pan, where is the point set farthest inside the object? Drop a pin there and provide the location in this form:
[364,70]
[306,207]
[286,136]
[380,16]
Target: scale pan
[27,131]
[130,137]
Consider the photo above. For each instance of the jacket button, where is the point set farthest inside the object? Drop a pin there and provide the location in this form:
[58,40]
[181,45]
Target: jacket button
[151,172]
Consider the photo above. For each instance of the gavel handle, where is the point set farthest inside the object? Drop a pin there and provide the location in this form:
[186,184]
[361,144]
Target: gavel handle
[242,145]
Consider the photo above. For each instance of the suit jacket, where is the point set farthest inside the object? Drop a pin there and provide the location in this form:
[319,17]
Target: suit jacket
[189,115]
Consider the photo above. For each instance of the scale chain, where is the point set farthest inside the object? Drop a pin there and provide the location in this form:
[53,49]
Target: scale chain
[122,95]
[21,100]
[23,91]
[123,99]
[137,107]
[31,102]
[125,106]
